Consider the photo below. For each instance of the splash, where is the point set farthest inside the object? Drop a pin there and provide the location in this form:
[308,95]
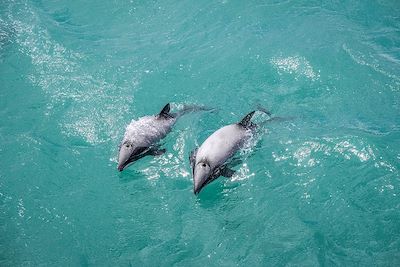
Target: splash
[172,164]
[310,153]
[296,65]
[243,173]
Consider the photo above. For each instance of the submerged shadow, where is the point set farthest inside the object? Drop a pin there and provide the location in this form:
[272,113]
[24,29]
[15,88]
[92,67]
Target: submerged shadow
[216,192]
[129,175]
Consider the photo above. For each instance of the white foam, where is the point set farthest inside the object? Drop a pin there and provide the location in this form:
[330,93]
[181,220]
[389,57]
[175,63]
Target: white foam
[173,163]
[243,173]
[306,155]
[295,65]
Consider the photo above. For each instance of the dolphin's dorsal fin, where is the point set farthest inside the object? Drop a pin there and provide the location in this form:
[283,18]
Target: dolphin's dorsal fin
[245,122]
[164,113]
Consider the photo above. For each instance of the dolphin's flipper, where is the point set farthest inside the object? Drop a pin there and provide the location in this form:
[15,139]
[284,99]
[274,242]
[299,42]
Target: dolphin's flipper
[234,162]
[220,171]
[139,153]
[146,151]
[164,113]
[155,151]
[226,172]
[246,121]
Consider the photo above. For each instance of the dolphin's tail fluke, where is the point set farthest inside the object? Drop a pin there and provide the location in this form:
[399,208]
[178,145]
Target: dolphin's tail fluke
[263,110]
[192,108]
[271,118]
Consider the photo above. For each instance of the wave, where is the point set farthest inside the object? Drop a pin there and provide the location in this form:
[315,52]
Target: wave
[91,106]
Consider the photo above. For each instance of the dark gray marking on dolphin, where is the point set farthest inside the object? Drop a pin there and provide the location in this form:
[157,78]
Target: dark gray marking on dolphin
[142,135]
[211,159]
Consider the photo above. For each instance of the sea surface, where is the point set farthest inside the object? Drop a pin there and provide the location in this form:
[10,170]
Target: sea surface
[319,188]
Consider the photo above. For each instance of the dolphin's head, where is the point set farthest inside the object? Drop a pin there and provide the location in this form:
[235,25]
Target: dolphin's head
[201,174]
[126,151]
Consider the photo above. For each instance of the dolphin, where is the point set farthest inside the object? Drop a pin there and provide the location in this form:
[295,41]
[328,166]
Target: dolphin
[211,159]
[142,135]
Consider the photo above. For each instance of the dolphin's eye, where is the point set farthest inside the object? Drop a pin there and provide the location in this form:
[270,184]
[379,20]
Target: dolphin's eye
[203,165]
[127,145]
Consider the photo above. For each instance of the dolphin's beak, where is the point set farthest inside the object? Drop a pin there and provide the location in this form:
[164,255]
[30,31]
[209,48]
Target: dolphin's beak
[120,168]
[124,157]
[198,185]
[196,190]
[121,165]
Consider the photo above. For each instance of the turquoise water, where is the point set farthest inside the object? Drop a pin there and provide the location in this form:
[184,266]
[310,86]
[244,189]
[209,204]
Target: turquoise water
[322,188]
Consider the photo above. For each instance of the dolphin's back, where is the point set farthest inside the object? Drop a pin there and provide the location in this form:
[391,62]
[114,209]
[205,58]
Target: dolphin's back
[148,130]
[222,144]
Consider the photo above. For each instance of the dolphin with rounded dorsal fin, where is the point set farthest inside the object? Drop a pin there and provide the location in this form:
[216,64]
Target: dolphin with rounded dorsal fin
[142,135]
[209,161]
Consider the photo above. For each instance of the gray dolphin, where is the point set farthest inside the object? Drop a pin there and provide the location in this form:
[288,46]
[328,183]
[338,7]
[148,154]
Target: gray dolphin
[209,161]
[142,136]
